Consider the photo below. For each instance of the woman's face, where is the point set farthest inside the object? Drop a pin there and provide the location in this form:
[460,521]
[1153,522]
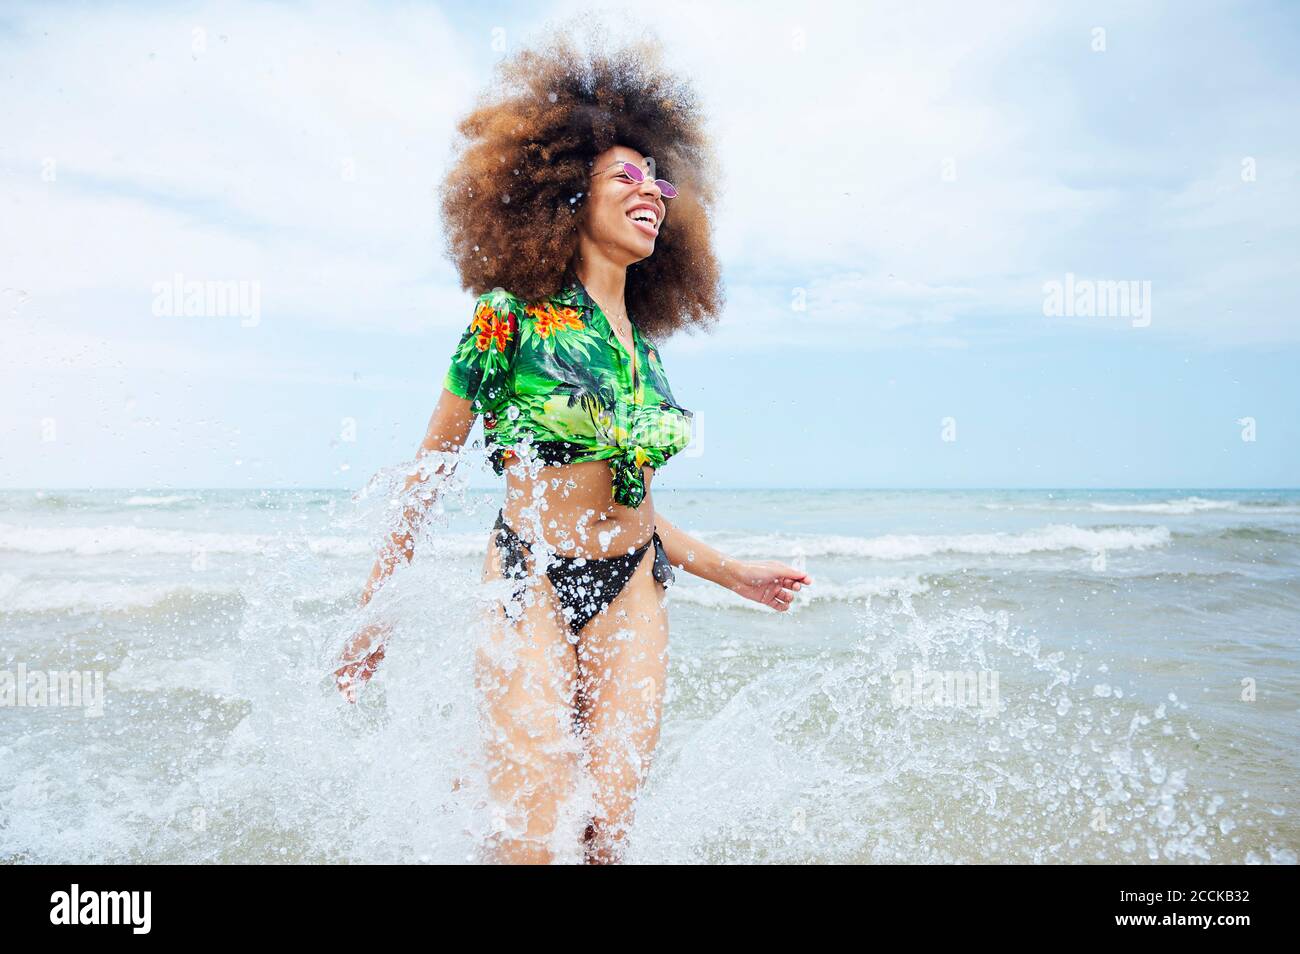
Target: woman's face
[614,204]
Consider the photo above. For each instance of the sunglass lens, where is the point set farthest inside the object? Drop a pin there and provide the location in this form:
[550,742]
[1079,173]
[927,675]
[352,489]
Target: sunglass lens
[634,171]
[666,188]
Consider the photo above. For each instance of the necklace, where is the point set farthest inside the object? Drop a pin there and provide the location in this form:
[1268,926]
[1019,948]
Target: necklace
[623,321]
[631,352]
[624,324]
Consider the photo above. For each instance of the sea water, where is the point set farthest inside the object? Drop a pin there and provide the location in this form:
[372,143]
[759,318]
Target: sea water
[1007,676]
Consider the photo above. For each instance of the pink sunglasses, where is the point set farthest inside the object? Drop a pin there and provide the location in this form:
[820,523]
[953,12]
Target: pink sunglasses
[637,174]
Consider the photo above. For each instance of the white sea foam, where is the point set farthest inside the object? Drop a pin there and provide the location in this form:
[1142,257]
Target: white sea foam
[210,676]
[143,500]
[19,595]
[1188,505]
[97,541]
[1053,538]
[713,597]
[1181,506]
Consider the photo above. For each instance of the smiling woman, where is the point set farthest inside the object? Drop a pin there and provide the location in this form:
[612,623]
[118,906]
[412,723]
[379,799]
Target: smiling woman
[527,169]
[577,212]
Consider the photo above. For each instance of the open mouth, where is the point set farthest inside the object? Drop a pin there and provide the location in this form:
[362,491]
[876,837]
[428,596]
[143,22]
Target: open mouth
[646,219]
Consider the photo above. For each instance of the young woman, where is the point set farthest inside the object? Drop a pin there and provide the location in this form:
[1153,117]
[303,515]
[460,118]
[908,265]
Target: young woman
[577,212]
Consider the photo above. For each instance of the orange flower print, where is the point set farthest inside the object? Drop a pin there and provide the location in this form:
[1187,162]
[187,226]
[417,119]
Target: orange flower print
[482,316]
[491,328]
[551,319]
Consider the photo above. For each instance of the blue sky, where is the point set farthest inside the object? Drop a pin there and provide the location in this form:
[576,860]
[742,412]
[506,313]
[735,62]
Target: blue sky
[911,174]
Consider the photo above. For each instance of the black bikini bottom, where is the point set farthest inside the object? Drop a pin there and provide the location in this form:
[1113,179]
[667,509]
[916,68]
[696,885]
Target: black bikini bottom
[584,586]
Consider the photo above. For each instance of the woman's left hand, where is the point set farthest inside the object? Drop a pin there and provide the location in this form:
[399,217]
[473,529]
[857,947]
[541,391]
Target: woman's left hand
[768,582]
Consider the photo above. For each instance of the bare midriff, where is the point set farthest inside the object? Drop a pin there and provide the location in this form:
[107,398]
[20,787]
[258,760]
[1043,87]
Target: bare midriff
[576,510]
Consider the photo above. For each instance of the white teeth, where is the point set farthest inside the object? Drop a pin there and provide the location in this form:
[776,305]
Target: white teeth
[644,215]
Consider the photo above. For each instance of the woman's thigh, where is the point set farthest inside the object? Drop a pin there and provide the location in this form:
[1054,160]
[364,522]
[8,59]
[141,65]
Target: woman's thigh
[622,669]
[527,679]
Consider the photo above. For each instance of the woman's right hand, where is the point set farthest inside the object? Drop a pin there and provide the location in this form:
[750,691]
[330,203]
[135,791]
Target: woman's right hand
[448,428]
[769,582]
[360,660]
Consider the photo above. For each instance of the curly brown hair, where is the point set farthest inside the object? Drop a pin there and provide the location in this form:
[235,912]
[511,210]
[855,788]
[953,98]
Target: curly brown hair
[512,198]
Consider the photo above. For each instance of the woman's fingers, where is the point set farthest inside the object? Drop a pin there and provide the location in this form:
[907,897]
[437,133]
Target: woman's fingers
[789,576]
[350,673]
[345,682]
[781,600]
[777,584]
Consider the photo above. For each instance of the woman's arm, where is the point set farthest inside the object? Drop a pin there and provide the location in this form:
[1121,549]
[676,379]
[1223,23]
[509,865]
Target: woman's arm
[764,581]
[449,426]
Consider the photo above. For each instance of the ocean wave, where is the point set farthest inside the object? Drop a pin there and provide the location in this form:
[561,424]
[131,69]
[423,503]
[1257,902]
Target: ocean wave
[41,501]
[1188,505]
[714,597]
[1252,532]
[18,595]
[1052,538]
[294,499]
[1181,506]
[144,500]
[98,541]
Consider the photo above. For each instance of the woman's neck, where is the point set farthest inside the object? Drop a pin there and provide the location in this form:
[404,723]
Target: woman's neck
[605,281]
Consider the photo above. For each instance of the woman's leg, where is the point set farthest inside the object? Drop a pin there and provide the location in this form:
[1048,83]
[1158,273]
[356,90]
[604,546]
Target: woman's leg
[527,674]
[622,669]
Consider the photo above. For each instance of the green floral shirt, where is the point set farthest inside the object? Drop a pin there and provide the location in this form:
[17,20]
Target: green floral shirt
[551,378]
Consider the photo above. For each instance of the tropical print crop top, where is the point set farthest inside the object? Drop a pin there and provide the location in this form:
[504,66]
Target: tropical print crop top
[554,376]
